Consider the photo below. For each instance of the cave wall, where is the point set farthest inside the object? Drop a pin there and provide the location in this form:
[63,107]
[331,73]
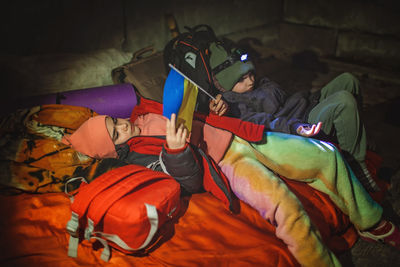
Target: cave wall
[365,31]
[62,26]
[57,45]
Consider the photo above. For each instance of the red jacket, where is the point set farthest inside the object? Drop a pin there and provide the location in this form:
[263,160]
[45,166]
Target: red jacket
[214,181]
[247,130]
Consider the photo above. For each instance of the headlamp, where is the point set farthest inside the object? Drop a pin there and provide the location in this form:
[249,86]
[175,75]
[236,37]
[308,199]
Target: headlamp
[243,57]
[235,56]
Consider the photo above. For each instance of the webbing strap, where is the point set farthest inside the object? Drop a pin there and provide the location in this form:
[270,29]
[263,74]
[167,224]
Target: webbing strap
[71,197]
[163,167]
[89,229]
[73,224]
[72,229]
[73,246]
[152,216]
[105,255]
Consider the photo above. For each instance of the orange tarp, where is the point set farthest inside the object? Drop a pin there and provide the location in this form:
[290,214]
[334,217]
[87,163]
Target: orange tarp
[32,226]
[33,234]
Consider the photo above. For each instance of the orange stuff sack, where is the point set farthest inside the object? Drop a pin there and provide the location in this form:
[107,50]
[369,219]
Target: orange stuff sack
[123,208]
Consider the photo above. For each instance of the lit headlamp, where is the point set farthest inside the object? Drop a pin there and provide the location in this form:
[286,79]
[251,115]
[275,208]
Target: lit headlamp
[236,55]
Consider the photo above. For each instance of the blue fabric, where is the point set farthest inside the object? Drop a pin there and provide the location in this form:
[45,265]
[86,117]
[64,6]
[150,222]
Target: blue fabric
[173,93]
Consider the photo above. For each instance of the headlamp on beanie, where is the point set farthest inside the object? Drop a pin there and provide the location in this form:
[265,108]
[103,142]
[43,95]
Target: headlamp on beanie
[229,65]
[236,55]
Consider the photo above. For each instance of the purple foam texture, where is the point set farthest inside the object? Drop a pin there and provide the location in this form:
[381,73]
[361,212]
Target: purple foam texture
[114,100]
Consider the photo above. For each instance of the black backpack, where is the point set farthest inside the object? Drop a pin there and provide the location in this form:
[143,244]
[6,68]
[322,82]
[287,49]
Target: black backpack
[188,52]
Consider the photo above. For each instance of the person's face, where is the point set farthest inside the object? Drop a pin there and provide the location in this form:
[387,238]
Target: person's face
[121,130]
[245,84]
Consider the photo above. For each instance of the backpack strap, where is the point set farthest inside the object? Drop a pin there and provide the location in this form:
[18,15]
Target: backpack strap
[152,215]
[66,191]
[106,254]
[73,223]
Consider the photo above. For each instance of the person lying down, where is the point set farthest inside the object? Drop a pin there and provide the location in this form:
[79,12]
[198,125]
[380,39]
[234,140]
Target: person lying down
[250,168]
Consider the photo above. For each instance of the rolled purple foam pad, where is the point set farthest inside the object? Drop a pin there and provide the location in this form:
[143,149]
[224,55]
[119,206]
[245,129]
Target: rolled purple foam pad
[114,100]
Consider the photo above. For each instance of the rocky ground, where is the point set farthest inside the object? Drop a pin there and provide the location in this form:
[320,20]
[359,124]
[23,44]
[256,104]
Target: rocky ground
[381,90]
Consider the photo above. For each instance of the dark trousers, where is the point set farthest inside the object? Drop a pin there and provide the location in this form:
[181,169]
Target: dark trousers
[338,111]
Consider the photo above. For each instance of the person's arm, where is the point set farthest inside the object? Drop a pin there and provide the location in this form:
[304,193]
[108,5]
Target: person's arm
[282,124]
[180,160]
[243,112]
[269,105]
[271,123]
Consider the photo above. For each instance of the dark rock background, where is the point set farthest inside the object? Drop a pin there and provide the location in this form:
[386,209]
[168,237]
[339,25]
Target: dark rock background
[50,46]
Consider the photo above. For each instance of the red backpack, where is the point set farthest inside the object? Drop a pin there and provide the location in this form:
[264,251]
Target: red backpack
[123,208]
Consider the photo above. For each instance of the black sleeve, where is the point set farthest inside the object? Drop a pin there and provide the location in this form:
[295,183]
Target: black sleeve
[186,168]
[275,124]
[268,105]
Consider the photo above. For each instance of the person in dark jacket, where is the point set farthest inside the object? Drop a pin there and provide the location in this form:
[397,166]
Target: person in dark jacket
[336,106]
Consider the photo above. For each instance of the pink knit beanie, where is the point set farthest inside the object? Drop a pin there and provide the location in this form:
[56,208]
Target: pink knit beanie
[92,139]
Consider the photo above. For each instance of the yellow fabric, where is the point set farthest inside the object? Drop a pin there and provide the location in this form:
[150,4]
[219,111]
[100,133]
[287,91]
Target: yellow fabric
[185,114]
